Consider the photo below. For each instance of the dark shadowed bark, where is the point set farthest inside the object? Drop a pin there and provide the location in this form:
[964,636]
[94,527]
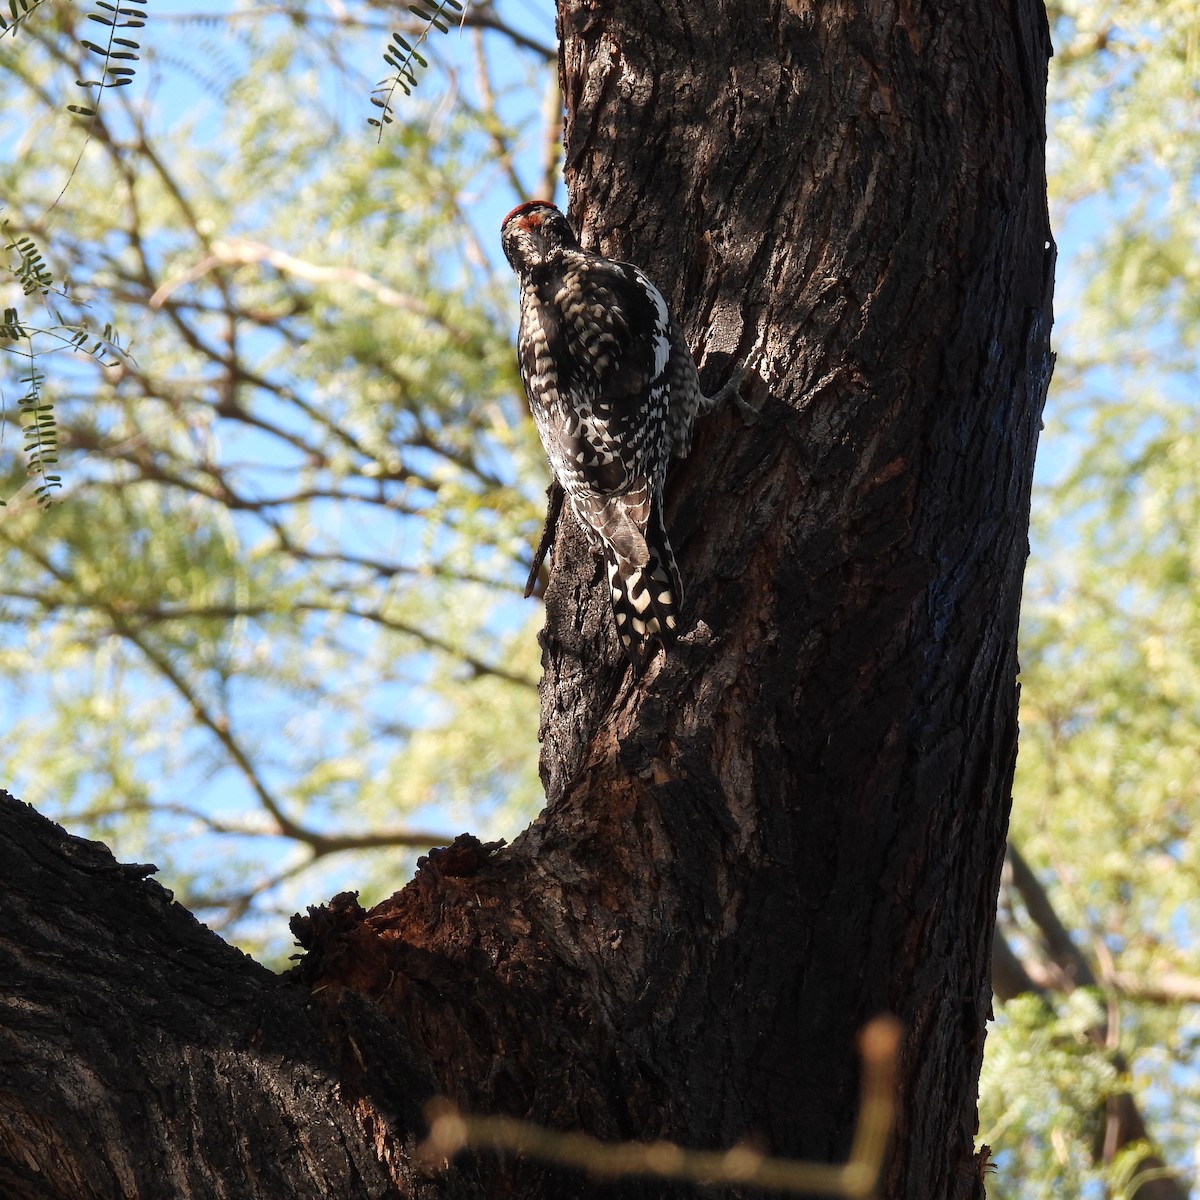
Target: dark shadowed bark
[797,821]
[142,1057]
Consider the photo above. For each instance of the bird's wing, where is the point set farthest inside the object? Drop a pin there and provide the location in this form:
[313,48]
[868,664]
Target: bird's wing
[599,395]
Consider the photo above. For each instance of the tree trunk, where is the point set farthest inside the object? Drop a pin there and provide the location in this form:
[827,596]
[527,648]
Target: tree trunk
[795,821]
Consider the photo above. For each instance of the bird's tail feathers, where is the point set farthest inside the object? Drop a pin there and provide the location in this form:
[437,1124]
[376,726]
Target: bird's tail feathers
[646,597]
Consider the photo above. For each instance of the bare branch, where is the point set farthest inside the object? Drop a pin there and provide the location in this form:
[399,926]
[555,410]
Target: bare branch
[1067,956]
[1167,987]
[552,127]
[491,118]
[243,252]
[1010,976]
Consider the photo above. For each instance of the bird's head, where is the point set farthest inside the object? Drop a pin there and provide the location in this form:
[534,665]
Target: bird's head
[532,231]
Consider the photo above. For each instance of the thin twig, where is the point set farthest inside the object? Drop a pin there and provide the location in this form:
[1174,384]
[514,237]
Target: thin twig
[451,1131]
[552,133]
[491,118]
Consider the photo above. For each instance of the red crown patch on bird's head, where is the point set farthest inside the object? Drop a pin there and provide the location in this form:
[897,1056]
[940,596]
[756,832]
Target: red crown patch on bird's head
[530,208]
[532,232]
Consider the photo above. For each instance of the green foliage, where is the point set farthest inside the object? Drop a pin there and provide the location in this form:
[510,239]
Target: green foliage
[117,54]
[1044,1084]
[19,12]
[29,344]
[274,639]
[401,55]
[30,268]
[1107,799]
[11,328]
[39,432]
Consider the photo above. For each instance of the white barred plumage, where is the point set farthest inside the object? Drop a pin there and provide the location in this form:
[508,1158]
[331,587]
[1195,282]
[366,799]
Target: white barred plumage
[614,393]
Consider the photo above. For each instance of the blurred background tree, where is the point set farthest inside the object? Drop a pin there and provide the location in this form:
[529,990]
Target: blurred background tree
[1099,969]
[271,636]
[269,632]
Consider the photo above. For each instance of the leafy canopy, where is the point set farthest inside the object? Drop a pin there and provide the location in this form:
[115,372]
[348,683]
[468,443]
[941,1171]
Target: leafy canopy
[276,621]
[1107,795]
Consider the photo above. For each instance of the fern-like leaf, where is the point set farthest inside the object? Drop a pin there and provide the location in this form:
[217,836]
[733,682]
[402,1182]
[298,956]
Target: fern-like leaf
[18,12]
[401,55]
[11,329]
[29,344]
[115,54]
[40,431]
[31,270]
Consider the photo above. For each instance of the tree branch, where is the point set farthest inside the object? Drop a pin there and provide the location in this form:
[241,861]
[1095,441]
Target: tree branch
[1066,956]
[1124,1126]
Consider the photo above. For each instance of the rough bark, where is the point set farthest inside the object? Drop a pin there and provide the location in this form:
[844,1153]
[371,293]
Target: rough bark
[821,783]
[797,820]
[142,1057]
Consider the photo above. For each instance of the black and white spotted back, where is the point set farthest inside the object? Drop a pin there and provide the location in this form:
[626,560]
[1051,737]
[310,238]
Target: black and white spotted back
[614,393]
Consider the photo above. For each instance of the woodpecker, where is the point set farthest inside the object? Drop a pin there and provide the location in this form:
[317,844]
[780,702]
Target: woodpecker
[614,394]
